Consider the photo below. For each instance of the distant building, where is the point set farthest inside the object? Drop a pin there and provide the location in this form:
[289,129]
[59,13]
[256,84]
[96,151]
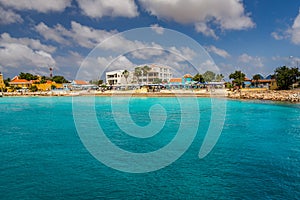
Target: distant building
[185,80]
[80,85]
[117,77]
[20,83]
[156,73]
[2,85]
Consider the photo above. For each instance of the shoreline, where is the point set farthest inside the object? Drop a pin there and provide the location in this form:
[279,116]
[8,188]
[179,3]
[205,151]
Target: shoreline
[292,96]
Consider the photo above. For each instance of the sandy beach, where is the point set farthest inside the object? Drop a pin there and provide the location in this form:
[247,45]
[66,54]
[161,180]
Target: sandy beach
[272,95]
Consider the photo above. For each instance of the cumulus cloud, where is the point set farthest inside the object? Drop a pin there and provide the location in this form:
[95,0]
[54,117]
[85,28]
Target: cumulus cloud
[295,30]
[37,5]
[100,8]
[158,29]
[292,33]
[217,51]
[81,35]
[9,17]
[203,28]
[94,67]
[227,15]
[32,43]
[251,61]
[19,55]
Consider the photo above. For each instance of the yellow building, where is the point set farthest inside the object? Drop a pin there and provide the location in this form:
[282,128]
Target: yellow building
[2,85]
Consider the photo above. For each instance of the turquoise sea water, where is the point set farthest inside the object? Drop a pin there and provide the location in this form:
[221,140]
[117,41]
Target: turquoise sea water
[42,157]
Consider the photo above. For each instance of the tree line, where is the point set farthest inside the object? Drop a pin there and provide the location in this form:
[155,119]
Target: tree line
[285,77]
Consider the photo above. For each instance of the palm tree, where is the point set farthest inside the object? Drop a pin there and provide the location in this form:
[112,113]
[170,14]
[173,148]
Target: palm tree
[219,77]
[256,77]
[238,78]
[138,73]
[145,71]
[126,74]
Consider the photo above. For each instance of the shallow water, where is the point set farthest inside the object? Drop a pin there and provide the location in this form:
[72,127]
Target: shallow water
[43,157]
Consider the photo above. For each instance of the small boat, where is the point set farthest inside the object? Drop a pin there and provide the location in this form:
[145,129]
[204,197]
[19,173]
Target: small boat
[1,94]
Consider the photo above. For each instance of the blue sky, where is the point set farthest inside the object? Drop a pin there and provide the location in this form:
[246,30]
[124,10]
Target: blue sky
[254,36]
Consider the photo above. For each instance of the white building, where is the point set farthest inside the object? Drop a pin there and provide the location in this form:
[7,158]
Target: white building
[157,72]
[117,78]
[163,73]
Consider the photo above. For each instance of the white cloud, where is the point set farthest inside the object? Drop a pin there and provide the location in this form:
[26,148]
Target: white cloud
[18,55]
[295,30]
[88,37]
[79,34]
[217,51]
[95,67]
[203,28]
[228,15]
[278,35]
[292,33]
[9,17]
[100,8]
[251,61]
[32,43]
[56,34]
[38,5]
[158,29]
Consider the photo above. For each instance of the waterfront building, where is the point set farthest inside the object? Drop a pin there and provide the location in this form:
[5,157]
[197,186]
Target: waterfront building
[80,85]
[2,85]
[20,83]
[157,73]
[117,78]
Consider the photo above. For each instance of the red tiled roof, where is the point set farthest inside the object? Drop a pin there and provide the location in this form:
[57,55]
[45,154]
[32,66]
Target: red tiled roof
[80,82]
[175,80]
[187,76]
[264,80]
[19,81]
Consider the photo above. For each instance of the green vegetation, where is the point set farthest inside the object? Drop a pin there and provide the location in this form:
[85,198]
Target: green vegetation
[199,78]
[6,82]
[286,77]
[238,78]
[59,79]
[33,88]
[28,76]
[126,75]
[157,81]
[138,73]
[209,76]
[256,77]
[219,77]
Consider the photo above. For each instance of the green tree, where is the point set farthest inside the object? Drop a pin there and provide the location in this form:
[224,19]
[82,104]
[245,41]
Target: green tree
[219,77]
[145,71]
[209,76]
[256,77]
[238,78]
[157,81]
[199,78]
[33,88]
[28,76]
[6,82]
[286,77]
[126,75]
[53,87]
[100,82]
[59,79]
[138,73]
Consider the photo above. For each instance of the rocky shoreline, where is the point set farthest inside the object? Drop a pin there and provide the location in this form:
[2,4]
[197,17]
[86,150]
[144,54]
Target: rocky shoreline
[272,95]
